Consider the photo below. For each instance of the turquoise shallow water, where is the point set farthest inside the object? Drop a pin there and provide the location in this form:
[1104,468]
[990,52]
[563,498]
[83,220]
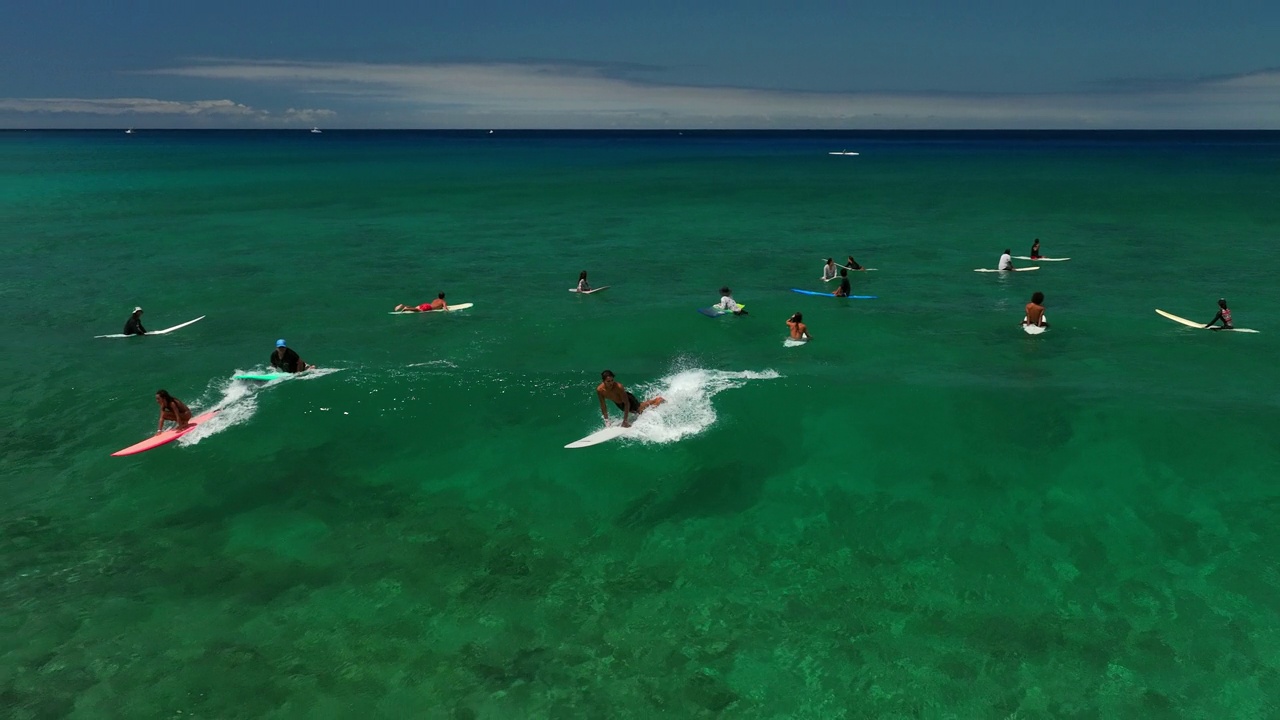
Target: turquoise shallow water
[923,513]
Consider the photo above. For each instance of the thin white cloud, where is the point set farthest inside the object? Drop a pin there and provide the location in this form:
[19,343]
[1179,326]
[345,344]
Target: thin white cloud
[578,96]
[141,108]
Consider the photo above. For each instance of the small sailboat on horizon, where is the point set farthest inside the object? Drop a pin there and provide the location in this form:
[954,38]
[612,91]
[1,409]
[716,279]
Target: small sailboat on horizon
[316,130]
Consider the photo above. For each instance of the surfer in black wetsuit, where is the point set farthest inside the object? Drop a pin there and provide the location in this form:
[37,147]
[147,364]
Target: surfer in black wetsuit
[844,289]
[286,360]
[133,326]
[1035,250]
[853,264]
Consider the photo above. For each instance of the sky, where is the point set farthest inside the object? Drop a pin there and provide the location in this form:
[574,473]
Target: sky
[573,64]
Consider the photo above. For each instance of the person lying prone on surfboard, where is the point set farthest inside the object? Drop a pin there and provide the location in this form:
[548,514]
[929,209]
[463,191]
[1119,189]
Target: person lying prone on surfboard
[799,331]
[1035,311]
[437,304]
[611,389]
[284,358]
[1223,314]
[172,410]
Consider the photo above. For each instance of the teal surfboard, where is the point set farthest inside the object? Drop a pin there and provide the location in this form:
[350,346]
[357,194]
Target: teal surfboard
[264,378]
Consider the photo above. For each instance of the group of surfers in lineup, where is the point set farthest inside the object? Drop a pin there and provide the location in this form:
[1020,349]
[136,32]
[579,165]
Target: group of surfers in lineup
[286,360]
[283,358]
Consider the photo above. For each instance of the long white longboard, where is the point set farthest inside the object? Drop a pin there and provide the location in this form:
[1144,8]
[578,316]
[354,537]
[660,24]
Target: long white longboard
[1025,269]
[1040,259]
[1200,326]
[599,436]
[165,331]
[451,308]
[588,292]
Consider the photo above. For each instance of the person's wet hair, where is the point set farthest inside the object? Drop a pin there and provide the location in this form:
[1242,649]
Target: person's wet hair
[606,374]
[1037,298]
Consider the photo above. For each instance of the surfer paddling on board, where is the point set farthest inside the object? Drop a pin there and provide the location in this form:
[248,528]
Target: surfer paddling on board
[172,410]
[583,285]
[1006,262]
[1035,250]
[799,331]
[727,303]
[844,289]
[852,264]
[133,326]
[612,390]
[1035,311]
[437,304]
[1224,315]
[829,270]
[285,359]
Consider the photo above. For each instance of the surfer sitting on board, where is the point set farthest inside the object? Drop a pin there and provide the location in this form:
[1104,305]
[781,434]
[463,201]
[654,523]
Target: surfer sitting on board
[799,331]
[1035,311]
[583,285]
[728,304]
[843,290]
[1224,315]
[611,389]
[852,264]
[437,304]
[829,270]
[285,359]
[172,410]
[133,326]
[1006,261]
[1035,250]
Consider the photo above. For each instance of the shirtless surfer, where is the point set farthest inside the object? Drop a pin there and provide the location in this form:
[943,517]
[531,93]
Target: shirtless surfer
[799,331]
[612,390]
[1035,311]
[437,304]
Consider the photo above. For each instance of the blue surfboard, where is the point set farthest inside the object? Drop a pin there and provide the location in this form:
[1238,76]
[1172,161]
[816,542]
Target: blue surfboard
[827,294]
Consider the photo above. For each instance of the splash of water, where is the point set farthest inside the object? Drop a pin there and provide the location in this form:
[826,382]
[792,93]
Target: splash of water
[237,401]
[688,409]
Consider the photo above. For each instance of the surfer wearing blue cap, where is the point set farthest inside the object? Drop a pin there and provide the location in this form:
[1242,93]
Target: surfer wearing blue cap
[1224,315]
[285,359]
[133,326]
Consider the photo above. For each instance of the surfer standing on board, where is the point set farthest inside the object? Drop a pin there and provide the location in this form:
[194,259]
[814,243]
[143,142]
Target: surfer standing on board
[1006,262]
[437,304]
[799,331]
[285,359]
[1224,315]
[1035,311]
[172,410]
[612,390]
[133,326]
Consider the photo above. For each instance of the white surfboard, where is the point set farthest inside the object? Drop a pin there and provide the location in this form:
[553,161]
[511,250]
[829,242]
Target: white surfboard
[599,436]
[842,152]
[1040,259]
[165,331]
[1200,326]
[1023,269]
[792,342]
[592,290]
[451,308]
[1035,329]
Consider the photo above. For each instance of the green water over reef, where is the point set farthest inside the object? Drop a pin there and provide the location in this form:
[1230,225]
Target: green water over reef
[924,513]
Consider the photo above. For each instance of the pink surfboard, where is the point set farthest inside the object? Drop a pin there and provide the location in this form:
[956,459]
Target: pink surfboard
[163,438]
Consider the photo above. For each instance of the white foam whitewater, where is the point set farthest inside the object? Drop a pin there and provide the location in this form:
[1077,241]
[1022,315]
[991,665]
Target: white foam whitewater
[688,409]
[237,400]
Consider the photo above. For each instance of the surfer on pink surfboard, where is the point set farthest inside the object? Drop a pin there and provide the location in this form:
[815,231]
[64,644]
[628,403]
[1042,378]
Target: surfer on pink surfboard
[172,410]
[610,389]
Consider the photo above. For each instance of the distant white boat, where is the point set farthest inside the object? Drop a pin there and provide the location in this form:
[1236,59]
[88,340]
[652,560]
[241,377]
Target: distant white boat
[129,131]
[316,130]
[842,152]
